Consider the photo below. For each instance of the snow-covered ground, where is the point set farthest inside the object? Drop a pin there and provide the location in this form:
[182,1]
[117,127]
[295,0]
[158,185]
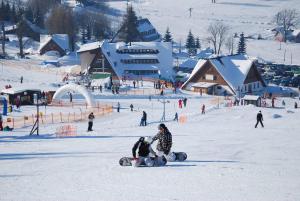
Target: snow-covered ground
[253,17]
[228,159]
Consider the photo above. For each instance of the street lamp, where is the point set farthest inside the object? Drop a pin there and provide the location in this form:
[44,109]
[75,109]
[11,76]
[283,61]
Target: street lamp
[36,125]
[163,118]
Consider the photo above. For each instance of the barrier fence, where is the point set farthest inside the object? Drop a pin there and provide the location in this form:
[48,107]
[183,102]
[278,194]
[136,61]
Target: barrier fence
[53,118]
[66,131]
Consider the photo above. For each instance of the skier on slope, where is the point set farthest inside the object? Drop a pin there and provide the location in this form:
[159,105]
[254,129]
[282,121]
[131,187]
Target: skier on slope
[144,152]
[164,144]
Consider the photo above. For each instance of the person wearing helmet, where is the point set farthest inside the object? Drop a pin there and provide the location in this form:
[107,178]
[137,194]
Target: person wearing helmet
[144,149]
[164,138]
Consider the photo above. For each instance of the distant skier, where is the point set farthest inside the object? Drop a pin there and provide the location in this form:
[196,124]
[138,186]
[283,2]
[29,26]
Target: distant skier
[180,103]
[144,119]
[71,97]
[283,103]
[259,118]
[118,107]
[203,109]
[21,79]
[144,149]
[100,87]
[273,102]
[176,117]
[131,107]
[184,102]
[91,118]
[296,105]
[164,138]
[133,83]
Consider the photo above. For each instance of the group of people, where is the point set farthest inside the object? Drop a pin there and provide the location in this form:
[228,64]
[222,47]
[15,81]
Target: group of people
[143,154]
[182,102]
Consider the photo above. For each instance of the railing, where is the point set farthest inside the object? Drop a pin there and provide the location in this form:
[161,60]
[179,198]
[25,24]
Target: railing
[54,118]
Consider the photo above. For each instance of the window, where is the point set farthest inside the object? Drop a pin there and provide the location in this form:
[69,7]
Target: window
[139,61]
[209,77]
[137,51]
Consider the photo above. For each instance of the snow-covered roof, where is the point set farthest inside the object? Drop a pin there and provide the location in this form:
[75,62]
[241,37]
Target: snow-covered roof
[147,30]
[163,55]
[234,69]
[204,54]
[251,97]
[197,67]
[90,46]
[144,25]
[296,32]
[62,40]
[36,28]
[204,84]
[19,89]
[189,63]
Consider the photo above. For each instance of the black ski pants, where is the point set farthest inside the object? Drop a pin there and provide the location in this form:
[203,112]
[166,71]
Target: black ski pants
[259,121]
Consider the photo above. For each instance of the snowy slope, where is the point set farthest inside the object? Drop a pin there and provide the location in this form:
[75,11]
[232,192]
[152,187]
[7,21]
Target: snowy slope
[252,17]
[228,159]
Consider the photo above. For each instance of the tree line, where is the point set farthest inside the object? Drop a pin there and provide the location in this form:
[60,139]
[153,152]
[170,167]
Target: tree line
[54,18]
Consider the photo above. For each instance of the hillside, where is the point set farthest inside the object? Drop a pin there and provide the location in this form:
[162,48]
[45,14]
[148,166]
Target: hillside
[253,17]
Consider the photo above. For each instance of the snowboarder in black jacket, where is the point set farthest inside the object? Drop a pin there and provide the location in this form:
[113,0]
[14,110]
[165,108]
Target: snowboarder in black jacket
[259,118]
[144,150]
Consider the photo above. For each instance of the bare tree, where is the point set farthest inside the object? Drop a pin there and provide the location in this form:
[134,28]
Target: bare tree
[288,19]
[3,38]
[61,21]
[21,29]
[217,35]
[230,44]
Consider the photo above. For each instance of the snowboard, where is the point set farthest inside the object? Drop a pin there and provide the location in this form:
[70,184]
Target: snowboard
[154,161]
[177,156]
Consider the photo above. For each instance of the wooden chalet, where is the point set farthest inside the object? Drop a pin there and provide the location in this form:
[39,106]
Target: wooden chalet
[228,75]
[55,42]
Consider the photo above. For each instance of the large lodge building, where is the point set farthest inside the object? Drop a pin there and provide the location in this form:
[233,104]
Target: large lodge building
[134,60]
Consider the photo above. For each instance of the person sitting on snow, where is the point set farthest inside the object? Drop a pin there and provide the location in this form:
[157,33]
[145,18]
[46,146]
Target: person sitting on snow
[164,144]
[144,152]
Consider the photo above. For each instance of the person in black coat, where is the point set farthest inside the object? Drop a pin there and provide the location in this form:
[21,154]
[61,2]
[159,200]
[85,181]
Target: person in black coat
[259,119]
[91,118]
[144,149]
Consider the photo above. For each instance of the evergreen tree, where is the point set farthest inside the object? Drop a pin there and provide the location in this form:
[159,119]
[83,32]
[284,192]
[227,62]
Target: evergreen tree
[242,45]
[198,45]
[83,35]
[28,14]
[88,32]
[2,11]
[7,11]
[13,14]
[21,29]
[39,18]
[190,44]
[129,31]
[167,36]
